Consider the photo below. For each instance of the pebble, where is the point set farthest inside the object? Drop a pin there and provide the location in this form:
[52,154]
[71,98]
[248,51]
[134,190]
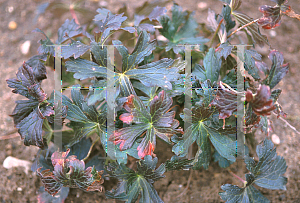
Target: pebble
[12,25]
[19,189]
[273,33]
[25,47]
[10,9]
[11,162]
[161,38]
[275,139]
[202,5]
[103,3]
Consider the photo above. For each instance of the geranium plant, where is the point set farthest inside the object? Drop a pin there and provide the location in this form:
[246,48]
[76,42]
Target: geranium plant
[149,86]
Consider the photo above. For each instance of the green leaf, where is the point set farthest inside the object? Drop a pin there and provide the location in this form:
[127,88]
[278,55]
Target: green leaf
[250,56]
[278,69]
[142,49]
[85,119]
[81,149]
[230,79]
[159,73]
[202,131]
[153,121]
[212,64]
[267,173]
[99,54]
[235,194]
[177,164]
[223,163]
[76,49]
[182,29]
[224,50]
[134,183]
[270,167]
[226,13]
[44,196]
[85,69]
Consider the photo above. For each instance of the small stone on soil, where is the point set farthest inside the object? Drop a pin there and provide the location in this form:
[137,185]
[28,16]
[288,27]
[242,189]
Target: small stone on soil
[275,139]
[25,47]
[12,25]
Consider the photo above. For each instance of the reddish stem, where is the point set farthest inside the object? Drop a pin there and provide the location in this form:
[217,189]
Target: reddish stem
[72,11]
[238,177]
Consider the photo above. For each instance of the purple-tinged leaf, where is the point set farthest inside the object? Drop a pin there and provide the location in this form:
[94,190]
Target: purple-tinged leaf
[278,69]
[262,67]
[271,17]
[129,29]
[39,69]
[225,101]
[257,37]
[30,128]
[261,103]
[46,45]
[153,121]
[148,27]
[68,30]
[23,109]
[26,84]
[156,13]
[108,23]
[70,172]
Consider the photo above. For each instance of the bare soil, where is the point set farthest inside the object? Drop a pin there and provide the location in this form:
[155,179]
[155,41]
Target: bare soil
[16,186]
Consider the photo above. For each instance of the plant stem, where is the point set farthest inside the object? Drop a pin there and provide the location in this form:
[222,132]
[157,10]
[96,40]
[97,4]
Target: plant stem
[288,124]
[187,185]
[240,28]
[215,34]
[74,16]
[238,177]
[90,150]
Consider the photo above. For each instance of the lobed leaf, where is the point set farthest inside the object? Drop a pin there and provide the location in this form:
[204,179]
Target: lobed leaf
[153,121]
[271,17]
[70,172]
[261,103]
[225,101]
[135,183]
[278,69]
[85,119]
[69,29]
[267,173]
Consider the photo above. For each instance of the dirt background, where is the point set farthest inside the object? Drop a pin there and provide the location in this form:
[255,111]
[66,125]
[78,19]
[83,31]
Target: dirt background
[16,186]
